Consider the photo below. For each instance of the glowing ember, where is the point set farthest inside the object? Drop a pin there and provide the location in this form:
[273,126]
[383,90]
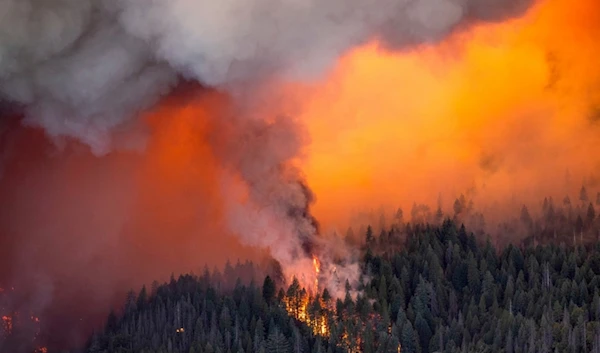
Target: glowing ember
[7,322]
[18,324]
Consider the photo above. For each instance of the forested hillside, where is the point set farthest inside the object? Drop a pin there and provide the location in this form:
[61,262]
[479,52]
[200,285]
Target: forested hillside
[427,289]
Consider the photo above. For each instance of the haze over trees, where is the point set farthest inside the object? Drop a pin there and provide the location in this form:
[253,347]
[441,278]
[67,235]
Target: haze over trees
[427,288]
[549,221]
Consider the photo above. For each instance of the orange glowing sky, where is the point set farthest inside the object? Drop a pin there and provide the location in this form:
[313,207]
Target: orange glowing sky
[392,128]
[504,109]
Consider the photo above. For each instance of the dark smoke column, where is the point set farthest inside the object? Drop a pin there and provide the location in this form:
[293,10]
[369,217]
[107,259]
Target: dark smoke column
[276,213]
[308,241]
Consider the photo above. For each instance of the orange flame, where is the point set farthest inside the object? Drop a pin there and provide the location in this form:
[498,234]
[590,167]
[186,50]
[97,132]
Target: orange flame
[298,307]
[317,266]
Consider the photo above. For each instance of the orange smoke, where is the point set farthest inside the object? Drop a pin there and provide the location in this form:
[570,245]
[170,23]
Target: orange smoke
[497,111]
[178,212]
[129,218]
[504,109]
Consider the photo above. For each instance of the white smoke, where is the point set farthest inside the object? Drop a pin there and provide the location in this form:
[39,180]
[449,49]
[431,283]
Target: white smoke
[84,67]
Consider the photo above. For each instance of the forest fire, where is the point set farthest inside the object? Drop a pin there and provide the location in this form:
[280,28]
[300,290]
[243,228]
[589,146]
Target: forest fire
[316,308]
[379,127]
[312,311]
[305,303]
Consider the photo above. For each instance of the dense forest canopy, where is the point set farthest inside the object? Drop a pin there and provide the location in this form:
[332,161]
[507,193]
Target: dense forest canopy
[425,288]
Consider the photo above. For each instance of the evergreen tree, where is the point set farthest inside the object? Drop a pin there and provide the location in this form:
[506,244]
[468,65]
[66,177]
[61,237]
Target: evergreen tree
[583,196]
[268,290]
[591,215]
[277,343]
[410,339]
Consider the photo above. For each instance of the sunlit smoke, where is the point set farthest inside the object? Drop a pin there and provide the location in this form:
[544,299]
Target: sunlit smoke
[502,113]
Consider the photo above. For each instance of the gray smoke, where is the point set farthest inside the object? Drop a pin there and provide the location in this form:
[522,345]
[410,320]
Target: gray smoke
[276,213]
[85,69]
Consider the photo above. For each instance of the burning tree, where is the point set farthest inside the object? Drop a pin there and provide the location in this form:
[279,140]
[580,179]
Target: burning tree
[327,317]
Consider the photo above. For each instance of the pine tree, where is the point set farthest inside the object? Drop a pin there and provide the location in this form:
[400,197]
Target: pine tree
[410,339]
[583,196]
[591,215]
[268,290]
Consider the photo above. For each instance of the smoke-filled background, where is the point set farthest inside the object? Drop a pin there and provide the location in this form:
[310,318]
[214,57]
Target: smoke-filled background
[506,113]
[142,138]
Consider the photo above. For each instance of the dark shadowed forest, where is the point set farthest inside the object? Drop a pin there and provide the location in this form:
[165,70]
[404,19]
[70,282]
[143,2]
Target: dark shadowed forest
[428,286]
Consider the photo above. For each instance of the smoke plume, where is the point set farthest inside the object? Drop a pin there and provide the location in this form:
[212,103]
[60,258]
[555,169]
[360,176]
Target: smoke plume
[98,72]
[84,68]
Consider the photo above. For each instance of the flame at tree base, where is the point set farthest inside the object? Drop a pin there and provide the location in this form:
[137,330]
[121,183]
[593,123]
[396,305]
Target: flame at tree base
[309,306]
[320,311]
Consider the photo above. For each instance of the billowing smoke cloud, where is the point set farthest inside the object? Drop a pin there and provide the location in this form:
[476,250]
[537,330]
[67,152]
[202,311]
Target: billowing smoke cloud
[83,68]
[75,70]
[87,70]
